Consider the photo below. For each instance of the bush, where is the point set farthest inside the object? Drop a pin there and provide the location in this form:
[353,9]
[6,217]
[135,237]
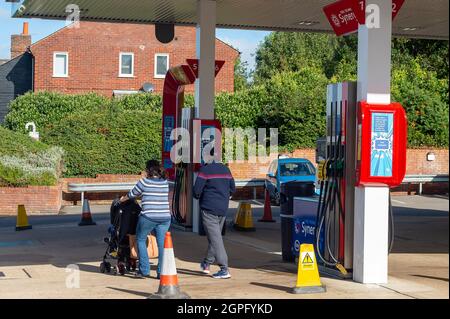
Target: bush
[114,141]
[24,161]
[296,106]
[425,99]
[241,109]
[47,108]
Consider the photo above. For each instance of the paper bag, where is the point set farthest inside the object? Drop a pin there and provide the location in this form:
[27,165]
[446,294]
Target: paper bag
[152,247]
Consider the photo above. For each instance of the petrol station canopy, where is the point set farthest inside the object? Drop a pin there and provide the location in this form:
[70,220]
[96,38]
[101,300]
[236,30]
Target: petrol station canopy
[416,19]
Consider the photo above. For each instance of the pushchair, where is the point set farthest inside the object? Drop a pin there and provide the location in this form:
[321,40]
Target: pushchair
[124,218]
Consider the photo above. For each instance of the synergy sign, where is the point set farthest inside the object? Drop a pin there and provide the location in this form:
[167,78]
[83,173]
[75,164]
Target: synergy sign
[346,15]
[343,15]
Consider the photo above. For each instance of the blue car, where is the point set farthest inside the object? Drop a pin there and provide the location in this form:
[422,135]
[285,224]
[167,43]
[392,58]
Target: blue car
[283,170]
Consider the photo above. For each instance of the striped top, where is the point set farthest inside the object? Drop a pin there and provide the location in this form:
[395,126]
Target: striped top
[155,198]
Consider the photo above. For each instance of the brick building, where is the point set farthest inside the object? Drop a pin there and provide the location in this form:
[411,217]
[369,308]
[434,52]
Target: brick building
[112,58]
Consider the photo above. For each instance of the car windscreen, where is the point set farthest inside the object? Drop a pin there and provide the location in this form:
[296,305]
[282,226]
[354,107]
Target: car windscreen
[296,169]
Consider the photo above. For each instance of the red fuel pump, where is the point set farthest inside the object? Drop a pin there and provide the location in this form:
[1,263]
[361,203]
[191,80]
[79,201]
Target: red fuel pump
[173,100]
[174,117]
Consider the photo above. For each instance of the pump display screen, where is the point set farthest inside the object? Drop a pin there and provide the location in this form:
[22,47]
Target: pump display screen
[168,127]
[381,144]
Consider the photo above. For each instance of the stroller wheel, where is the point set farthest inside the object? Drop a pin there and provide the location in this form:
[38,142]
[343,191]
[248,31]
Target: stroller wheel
[102,267]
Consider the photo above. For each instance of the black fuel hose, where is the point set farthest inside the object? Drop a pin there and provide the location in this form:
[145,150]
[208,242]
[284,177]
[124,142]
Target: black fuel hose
[179,180]
[391,224]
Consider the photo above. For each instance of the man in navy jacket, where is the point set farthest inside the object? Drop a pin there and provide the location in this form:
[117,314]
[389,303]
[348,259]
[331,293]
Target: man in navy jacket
[213,188]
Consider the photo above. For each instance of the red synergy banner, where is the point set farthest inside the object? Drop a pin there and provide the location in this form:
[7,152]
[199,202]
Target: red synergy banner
[345,15]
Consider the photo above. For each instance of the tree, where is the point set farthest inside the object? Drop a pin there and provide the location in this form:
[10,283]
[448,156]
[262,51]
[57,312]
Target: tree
[296,106]
[293,51]
[432,55]
[425,99]
[241,75]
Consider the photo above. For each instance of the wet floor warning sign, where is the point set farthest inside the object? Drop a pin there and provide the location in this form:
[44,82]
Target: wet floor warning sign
[308,280]
[307,261]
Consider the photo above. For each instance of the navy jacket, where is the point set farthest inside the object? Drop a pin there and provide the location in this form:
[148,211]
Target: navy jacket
[213,187]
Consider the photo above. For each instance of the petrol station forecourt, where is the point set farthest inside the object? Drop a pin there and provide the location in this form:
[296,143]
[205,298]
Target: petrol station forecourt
[369,243]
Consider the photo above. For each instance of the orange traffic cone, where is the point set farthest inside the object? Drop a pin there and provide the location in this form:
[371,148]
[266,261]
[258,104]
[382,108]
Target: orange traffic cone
[86,217]
[267,218]
[168,284]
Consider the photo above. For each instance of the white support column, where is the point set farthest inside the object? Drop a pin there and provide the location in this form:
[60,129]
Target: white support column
[206,53]
[370,263]
[204,85]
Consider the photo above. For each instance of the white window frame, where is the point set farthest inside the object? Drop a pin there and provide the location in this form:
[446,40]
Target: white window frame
[66,73]
[121,75]
[156,75]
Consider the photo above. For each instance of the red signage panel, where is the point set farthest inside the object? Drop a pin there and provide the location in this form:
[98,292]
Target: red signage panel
[193,63]
[396,6]
[342,16]
[345,15]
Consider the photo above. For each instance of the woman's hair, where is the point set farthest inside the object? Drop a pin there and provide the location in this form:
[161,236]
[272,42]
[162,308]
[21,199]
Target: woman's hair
[153,169]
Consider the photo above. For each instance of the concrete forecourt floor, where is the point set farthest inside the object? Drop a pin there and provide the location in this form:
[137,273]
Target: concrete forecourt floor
[33,262]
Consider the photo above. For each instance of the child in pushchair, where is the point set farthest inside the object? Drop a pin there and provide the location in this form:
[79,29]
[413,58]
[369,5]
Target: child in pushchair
[124,218]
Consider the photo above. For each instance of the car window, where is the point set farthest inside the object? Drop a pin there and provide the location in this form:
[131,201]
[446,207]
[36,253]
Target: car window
[296,169]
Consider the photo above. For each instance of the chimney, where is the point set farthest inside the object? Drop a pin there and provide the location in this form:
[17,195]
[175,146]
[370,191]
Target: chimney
[20,42]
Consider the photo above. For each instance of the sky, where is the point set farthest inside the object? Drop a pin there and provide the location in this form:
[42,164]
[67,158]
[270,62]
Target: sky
[245,41]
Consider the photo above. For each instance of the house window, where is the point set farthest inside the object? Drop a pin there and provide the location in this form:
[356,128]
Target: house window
[61,64]
[126,65]
[161,65]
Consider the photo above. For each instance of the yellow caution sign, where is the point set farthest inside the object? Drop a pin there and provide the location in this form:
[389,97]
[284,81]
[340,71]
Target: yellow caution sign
[322,170]
[308,280]
[244,219]
[22,219]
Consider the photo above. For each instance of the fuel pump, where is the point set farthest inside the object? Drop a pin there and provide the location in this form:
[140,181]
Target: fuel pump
[336,166]
[180,169]
[365,145]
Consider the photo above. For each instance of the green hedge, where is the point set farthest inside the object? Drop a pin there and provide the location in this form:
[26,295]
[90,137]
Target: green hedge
[47,108]
[113,141]
[425,99]
[24,161]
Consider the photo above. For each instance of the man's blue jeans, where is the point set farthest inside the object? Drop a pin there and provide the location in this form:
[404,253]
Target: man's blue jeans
[144,228]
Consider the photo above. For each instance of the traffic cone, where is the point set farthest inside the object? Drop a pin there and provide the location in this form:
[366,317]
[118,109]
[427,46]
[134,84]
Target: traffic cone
[22,219]
[168,284]
[267,218]
[308,279]
[86,217]
[244,220]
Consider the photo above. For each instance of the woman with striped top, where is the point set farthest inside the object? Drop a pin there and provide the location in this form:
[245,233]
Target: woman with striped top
[155,215]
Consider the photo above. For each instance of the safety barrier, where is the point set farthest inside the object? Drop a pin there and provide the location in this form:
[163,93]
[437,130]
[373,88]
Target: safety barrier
[254,183]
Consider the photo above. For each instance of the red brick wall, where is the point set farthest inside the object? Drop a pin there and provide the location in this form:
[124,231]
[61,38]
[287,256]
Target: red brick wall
[94,57]
[42,199]
[416,163]
[19,44]
[37,199]
[69,198]
[255,169]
